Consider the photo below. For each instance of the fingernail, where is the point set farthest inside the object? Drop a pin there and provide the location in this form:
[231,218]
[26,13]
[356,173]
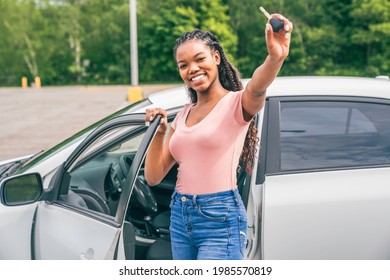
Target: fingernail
[151,118]
[287,27]
[147,123]
[267,27]
[287,36]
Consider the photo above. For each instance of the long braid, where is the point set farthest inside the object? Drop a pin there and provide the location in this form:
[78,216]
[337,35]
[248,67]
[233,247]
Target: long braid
[230,80]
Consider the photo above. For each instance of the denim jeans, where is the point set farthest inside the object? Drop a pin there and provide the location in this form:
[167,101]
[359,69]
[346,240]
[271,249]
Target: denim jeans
[208,227]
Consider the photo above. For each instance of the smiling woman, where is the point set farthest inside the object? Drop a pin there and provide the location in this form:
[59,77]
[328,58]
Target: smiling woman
[212,135]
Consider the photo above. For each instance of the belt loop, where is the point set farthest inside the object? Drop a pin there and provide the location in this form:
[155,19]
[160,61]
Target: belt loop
[174,194]
[194,199]
[237,196]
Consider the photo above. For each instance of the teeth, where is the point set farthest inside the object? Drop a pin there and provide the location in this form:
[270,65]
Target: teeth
[197,78]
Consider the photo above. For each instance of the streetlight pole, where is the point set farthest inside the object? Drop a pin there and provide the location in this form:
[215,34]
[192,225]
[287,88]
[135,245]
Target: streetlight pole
[133,43]
[135,92]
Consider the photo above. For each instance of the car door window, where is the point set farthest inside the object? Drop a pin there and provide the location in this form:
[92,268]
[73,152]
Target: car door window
[317,135]
[108,138]
[98,175]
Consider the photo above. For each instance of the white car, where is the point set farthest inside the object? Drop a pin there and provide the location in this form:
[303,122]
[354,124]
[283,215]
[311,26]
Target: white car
[320,187]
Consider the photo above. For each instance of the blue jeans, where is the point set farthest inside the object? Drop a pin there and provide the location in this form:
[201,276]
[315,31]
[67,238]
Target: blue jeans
[208,227]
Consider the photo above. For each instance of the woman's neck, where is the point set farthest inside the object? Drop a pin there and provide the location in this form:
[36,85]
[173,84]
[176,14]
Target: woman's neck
[211,96]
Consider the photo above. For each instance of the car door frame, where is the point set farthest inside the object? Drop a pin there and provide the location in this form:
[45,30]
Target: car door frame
[57,186]
[271,143]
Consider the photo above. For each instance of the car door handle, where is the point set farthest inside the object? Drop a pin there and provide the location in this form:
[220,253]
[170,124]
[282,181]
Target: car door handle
[88,255]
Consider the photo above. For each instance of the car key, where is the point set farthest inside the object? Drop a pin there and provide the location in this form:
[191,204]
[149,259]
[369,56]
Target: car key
[276,24]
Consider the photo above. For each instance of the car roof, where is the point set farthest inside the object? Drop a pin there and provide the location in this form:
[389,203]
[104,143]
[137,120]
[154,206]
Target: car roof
[170,98]
[327,85]
[294,86]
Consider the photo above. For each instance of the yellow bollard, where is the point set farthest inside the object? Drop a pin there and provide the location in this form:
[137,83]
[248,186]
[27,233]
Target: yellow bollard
[134,94]
[24,82]
[37,82]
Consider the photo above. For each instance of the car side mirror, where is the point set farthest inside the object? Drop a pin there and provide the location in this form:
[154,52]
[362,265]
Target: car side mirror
[21,189]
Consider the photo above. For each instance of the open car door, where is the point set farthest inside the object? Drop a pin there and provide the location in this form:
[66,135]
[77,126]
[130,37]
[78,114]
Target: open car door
[84,217]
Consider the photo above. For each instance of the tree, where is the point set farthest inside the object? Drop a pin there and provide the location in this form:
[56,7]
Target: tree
[18,46]
[371,35]
[87,41]
[106,41]
[162,22]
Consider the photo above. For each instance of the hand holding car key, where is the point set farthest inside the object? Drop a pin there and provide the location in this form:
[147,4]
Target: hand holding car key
[276,24]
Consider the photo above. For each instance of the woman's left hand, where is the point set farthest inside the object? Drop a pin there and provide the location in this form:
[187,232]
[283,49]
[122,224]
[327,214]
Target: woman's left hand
[278,43]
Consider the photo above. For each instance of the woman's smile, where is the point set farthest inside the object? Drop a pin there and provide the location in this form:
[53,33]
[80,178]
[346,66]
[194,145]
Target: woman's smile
[198,79]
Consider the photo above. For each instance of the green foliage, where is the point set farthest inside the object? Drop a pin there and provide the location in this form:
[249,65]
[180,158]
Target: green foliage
[371,21]
[164,21]
[88,41]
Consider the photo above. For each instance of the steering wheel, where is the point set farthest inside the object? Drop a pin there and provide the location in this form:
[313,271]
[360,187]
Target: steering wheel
[141,191]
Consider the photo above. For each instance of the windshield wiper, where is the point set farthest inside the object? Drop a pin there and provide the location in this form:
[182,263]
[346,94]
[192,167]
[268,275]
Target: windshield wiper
[10,168]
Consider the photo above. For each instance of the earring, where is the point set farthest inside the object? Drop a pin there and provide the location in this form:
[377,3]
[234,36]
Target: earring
[187,88]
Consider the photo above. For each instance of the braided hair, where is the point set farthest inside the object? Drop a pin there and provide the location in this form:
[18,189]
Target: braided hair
[229,77]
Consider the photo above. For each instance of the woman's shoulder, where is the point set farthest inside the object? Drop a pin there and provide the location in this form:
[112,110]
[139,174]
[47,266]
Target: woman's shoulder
[235,95]
[237,92]
[185,109]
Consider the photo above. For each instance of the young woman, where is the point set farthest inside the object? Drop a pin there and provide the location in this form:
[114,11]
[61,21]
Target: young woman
[207,139]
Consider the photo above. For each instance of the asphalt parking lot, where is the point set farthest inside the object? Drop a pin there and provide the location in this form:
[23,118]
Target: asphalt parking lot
[36,119]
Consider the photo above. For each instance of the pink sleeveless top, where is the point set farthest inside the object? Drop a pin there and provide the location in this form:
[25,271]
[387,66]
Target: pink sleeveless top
[208,152]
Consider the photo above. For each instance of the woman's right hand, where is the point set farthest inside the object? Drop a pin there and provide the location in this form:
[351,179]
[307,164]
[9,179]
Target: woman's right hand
[152,113]
[158,159]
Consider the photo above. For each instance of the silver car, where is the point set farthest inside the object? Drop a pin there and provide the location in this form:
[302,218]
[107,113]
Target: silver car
[320,187]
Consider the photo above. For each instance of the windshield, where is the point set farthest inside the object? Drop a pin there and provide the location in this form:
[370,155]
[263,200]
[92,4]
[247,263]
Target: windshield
[78,137]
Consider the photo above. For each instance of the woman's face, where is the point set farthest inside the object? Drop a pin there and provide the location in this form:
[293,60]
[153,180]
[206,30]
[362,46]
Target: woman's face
[197,64]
